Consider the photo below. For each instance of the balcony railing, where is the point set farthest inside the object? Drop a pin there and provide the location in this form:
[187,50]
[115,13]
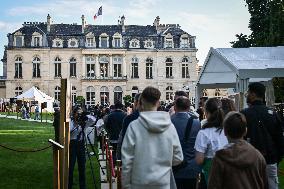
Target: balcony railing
[100,78]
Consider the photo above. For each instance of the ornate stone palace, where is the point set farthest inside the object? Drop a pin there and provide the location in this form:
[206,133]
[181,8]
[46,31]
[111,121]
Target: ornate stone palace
[103,62]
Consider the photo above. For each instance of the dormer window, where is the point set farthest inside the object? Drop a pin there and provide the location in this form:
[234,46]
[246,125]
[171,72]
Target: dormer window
[104,40]
[184,41]
[149,44]
[116,42]
[57,43]
[36,39]
[18,39]
[134,43]
[90,40]
[169,41]
[73,43]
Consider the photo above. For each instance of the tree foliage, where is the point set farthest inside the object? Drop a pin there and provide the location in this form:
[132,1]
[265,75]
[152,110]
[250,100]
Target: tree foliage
[267,29]
[127,100]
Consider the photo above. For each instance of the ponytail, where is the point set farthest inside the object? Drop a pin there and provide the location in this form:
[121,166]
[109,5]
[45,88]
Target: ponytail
[213,107]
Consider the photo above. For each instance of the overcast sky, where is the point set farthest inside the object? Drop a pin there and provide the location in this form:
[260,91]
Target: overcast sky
[213,22]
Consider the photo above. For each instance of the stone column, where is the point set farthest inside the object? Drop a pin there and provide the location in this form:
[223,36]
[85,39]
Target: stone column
[110,73]
[83,67]
[111,94]
[124,66]
[97,67]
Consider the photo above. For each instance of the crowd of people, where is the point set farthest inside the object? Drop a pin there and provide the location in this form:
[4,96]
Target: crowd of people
[175,147]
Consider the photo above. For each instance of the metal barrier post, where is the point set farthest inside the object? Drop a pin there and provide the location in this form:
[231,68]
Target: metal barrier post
[118,173]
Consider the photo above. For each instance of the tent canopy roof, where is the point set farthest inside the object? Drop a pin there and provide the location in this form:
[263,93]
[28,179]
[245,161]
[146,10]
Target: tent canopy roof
[34,94]
[223,65]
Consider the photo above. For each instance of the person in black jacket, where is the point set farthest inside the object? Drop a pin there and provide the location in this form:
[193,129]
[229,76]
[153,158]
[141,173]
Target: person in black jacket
[264,131]
[127,120]
[113,126]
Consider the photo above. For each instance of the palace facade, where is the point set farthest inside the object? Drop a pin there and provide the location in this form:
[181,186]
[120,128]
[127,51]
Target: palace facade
[103,62]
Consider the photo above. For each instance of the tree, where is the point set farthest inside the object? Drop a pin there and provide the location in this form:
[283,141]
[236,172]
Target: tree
[127,100]
[267,29]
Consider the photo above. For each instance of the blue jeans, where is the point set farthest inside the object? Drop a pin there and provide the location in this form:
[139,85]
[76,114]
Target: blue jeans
[271,170]
[77,151]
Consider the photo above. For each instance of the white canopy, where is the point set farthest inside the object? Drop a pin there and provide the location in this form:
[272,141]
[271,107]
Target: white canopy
[33,94]
[236,67]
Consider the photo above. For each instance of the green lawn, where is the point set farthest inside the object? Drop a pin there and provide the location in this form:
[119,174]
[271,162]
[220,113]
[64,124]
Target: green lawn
[30,170]
[45,115]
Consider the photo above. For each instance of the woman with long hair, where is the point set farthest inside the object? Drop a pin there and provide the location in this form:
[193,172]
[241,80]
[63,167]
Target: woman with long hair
[211,137]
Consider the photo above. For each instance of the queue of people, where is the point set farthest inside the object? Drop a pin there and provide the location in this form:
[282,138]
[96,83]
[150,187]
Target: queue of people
[176,147]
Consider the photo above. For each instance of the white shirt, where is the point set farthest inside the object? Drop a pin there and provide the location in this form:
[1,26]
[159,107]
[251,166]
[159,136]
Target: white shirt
[209,140]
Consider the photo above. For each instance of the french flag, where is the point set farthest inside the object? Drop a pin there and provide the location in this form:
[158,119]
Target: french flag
[100,12]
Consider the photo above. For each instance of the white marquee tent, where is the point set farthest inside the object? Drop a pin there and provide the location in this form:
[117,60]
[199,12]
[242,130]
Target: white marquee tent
[236,67]
[33,94]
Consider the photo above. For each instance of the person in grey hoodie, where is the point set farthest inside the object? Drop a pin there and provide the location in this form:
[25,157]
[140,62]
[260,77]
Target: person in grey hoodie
[150,147]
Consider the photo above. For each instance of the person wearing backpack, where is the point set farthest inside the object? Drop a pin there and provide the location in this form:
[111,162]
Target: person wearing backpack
[264,131]
[187,128]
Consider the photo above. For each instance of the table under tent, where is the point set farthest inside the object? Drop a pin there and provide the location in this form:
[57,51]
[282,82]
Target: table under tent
[237,67]
[35,96]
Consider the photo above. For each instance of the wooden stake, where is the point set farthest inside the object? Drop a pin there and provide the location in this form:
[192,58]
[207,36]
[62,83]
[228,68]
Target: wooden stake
[66,146]
[56,181]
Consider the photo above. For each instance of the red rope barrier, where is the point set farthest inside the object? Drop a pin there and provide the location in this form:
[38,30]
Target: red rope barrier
[111,164]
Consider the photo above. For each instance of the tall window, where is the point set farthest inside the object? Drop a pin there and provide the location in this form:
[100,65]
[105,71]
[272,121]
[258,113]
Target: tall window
[57,93]
[90,96]
[73,95]
[169,68]
[104,94]
[169,94]
[116,42]
[117,64]
[149,68]
[36,67]
[184,43]
[36,41]
[104,61]
[57,67]
[134,68]
[117,94]
[72,67]
[18,67]
[18,91]
[90,62]
[185,68]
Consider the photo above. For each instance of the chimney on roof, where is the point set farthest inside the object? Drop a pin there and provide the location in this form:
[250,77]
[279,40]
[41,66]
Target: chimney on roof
[156,22]
[48,23]
[122,23]
[83,23]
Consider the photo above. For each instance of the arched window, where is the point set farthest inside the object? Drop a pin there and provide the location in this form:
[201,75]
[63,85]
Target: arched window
[90,62]
[204,92]
[117,94]
[72,67]
[116,42]
[134,68]
[104,40]
[104,94]
[184,41]
[185,68]
[169,94]
[57,93]
[57,67]
[169,67]
[18,67]
[18,39]
[149,68]
[18,91]
[217,92]
[104,66]
[168,41]
[36,67]
[90,40]
[73,95]
[134,91]
[90,96]
[134,43]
